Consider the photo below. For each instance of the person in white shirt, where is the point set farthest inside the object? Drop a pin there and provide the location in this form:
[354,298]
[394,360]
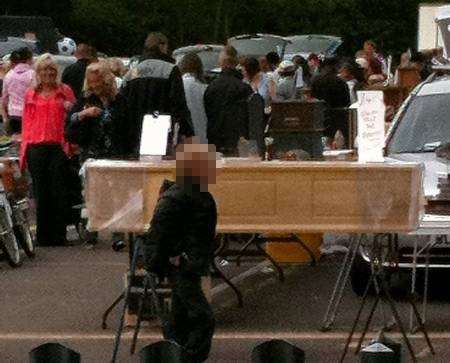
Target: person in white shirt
[353,74]
[191,68]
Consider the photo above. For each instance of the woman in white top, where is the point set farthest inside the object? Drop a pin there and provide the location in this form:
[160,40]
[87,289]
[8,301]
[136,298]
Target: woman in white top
[191,68]
[259,81]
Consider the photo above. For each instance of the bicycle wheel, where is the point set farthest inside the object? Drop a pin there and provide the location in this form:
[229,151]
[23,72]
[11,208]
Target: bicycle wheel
[22,230]
[8,243]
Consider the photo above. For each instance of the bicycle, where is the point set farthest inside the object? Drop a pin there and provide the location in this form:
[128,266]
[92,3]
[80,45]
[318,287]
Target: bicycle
[15,231]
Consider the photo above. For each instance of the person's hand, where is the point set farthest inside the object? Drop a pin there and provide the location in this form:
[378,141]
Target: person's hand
[90,112]
[68,105]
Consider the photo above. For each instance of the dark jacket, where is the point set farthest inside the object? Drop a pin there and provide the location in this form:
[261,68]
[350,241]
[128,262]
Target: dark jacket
[184,223]
[98,137]
[226,106]
[334,91]
[73,76]
[157,86]
[331,89]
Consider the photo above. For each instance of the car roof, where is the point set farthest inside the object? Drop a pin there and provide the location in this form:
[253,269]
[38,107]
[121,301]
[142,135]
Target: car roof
[440,85]
[198,48]
[259,35]
[318,36]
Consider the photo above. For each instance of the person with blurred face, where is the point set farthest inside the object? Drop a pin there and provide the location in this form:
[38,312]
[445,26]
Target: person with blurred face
[226,105]
[93,121]
[73,75]
[314,64]
[354,76]
[16,83]
[180,244]
[260,82]
[43,150]
[191,67]
[154,85]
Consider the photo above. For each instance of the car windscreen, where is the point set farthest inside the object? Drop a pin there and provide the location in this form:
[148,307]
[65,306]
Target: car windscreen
[257,47]
[315,45]
[426,121]
[210,59]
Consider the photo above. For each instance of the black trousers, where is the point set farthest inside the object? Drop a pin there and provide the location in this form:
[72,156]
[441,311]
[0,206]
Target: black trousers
[191,322]
[48,166]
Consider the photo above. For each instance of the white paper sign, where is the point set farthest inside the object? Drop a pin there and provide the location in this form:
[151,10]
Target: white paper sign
[371,114]
[155,131]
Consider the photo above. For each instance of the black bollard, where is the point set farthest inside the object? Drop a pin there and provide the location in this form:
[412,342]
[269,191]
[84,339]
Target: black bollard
[54,353]
[377,353]
[392,345]
[163,351]
[277,351]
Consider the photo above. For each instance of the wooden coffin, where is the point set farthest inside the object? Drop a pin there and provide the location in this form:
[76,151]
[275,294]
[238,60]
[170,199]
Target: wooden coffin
[275,196]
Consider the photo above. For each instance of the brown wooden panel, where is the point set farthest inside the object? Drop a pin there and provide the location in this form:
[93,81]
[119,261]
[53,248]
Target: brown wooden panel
[264,197]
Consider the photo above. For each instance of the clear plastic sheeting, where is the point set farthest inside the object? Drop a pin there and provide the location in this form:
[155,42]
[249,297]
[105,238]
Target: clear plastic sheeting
[115,191]
[263,197]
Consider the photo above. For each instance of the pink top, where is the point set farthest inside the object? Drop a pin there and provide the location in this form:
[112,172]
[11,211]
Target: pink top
[43,119]
[15,85]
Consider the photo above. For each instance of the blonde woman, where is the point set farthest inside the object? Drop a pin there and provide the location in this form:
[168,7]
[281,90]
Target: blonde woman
[93,121]
[42,149]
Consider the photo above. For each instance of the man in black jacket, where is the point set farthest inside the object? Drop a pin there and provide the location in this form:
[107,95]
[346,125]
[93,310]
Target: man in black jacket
[327,86]
[74,74]
[226,105]
[154,85]
[181,238]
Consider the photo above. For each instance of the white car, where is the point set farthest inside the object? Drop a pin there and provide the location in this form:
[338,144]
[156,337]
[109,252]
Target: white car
[304,45]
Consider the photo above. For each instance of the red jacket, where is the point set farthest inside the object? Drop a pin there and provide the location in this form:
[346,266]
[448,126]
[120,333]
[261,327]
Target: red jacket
[43,119]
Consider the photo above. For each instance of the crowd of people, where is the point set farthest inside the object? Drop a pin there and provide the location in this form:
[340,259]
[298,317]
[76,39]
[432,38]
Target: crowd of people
[95,108]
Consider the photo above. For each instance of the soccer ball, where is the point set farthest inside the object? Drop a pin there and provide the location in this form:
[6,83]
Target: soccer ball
[66,46]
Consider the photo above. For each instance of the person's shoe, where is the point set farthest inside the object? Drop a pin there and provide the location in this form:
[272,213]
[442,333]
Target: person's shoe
[118,245]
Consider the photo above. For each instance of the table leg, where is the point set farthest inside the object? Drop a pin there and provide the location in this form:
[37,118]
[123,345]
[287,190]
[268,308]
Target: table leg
[413,283]
[341,282]
[244,248]
[269,257]
[229,283]
[111,308]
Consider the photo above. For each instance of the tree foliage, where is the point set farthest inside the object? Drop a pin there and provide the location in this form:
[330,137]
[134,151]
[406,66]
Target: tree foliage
[120,26]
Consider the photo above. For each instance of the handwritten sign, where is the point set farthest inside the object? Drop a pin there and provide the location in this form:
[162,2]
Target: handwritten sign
[371,114]
[155,131]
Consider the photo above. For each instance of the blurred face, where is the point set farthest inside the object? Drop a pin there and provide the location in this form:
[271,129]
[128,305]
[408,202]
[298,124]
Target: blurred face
[164,47]
[95,83]
[48,75]
[264,64]
[313,63]
[404,58]
[198,161]
[245,73]
[369,48]
[345,74]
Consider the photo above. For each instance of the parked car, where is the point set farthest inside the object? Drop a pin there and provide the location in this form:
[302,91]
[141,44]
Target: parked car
[420,127]
[258,45]
[208,53]
[9,44]
[304,45]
